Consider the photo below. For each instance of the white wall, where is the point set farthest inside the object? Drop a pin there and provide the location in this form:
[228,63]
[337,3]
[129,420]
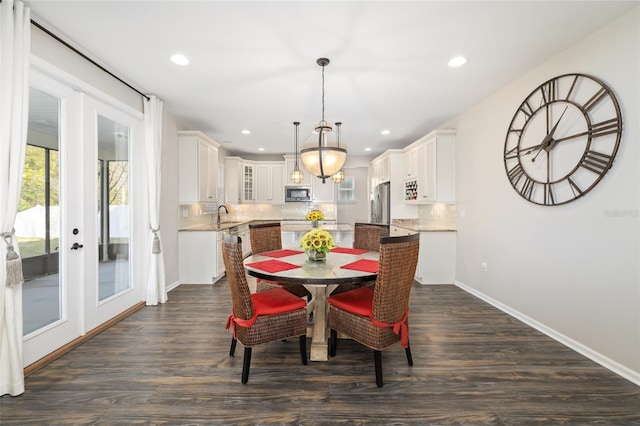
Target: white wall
[571,270]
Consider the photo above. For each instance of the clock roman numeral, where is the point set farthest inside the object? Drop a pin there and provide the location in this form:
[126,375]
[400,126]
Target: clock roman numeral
[549,200]
[573,84]
[600,94]
[527,188]
[549,91]
[596,162]
[512,153]
[515,173]
[526,109]
[574,188]
[604,128]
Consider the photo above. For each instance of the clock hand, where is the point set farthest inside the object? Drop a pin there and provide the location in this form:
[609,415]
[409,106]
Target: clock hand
[548,142]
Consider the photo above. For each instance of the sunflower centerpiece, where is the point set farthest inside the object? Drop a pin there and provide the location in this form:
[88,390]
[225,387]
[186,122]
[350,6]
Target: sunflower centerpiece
[317,243]
[314,216]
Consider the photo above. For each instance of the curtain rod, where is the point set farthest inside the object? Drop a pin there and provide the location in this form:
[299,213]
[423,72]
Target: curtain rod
[87,58]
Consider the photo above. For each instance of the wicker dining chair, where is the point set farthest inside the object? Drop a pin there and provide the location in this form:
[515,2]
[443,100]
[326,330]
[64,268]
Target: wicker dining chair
[378,318]
[268,237]
[268,316]
[366,236]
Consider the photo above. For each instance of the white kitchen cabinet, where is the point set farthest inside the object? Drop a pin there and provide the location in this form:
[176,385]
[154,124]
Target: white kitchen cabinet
[289,161]
[434,181]
[233,180]
[198,165]
[198,258]
[380,170]
[269,182]
[412,163]
[323,192]
[248,182]
[437,255]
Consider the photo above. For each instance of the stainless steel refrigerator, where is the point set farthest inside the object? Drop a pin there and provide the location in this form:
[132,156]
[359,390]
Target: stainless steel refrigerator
[381,204]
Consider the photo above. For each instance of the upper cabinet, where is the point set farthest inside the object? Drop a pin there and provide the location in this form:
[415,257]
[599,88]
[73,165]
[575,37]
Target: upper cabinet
[430,168]
[233,167]
[198,167]
[323,192]
[290,162]
[380,170]
[269,182]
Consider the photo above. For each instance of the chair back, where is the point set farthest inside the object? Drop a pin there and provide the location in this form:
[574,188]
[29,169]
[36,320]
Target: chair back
[397,267]
[366,236]
[240,293]
[265,237]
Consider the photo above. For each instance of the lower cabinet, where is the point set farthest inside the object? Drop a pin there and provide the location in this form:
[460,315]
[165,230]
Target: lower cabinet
[199,258]
[437,257]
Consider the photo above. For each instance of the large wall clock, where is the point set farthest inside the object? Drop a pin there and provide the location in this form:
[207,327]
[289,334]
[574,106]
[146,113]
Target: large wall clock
[562,139]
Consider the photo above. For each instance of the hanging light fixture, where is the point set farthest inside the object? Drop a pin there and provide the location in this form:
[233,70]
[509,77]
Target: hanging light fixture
[324,159]
[296,174]
[339,176]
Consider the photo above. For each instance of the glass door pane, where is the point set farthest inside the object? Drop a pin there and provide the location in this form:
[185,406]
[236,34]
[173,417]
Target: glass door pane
[37,221]
[113,200]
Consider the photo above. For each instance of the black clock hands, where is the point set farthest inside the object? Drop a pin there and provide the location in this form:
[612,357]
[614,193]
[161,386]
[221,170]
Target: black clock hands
[548,142]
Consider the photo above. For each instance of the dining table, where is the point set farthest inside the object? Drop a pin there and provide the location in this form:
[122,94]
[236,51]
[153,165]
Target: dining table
[342,265]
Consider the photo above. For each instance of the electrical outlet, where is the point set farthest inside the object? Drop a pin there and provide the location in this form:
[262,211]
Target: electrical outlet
[485,267]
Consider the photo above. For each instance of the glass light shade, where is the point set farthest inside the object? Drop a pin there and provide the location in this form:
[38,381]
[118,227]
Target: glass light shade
[338,177]
[297,176]
[332,159]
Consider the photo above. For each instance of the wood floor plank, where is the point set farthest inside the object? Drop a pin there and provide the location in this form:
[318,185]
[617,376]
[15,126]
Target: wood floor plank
[473,364]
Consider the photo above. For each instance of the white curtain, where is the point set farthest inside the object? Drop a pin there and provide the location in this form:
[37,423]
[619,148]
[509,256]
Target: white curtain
[15,46]
[156,283]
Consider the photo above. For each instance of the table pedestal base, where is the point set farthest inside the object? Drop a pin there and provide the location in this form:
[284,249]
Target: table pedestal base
[319,340]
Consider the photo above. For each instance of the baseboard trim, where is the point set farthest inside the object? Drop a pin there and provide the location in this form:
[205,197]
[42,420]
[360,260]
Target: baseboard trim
[32,368]
[619,369]
[173,286]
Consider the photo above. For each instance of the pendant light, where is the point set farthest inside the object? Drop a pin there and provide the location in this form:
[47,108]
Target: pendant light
[339,176]
[323,159]
[296,174]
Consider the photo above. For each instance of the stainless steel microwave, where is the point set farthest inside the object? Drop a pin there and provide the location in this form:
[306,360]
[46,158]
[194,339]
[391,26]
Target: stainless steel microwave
[297,193]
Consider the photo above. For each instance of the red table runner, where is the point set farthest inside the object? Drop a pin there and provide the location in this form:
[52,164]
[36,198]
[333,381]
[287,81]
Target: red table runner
[280,253]
[348,250]
[364,265]
[272,265]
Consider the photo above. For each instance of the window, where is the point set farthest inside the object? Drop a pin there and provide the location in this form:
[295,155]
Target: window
[347,190]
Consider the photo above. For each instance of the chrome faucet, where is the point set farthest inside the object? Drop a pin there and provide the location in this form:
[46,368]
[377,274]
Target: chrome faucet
[225,210]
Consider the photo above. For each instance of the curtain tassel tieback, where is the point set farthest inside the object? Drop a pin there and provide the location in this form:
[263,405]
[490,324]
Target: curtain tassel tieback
[232,321]
[155,247]
[14,263]
[400,328]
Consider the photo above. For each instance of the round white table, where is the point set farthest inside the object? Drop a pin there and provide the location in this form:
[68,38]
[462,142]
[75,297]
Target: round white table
[320,278]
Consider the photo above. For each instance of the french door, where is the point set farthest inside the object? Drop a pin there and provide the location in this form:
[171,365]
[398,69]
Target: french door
[74,225]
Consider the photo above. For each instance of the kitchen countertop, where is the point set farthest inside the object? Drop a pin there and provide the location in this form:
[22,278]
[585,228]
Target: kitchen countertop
[423,228]
[343,227]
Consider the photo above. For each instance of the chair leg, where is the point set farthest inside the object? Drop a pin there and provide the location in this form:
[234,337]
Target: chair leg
[232,351]
[333,343]
[377,357]
[246,364]
[409,358]
[303,349]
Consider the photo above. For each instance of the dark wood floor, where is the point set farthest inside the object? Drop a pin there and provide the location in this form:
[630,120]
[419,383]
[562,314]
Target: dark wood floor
[472,365]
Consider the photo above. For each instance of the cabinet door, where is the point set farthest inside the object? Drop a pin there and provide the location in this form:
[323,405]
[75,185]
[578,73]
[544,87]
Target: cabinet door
[262,194]
[411,164]
[247,183]
[212,174]
[427,182]
[277,183]
[324,192]
[232,180]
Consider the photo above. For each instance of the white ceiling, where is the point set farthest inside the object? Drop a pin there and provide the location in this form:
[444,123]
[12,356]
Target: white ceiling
[253,64]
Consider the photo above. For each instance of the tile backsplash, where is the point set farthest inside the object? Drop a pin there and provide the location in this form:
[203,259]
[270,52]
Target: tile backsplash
[437,215]
[207,213]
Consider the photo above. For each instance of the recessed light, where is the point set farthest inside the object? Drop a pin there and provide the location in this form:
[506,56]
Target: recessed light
[261,149]
[457,61]
[385,132]
[367,149]
[179,59]
[246,132]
